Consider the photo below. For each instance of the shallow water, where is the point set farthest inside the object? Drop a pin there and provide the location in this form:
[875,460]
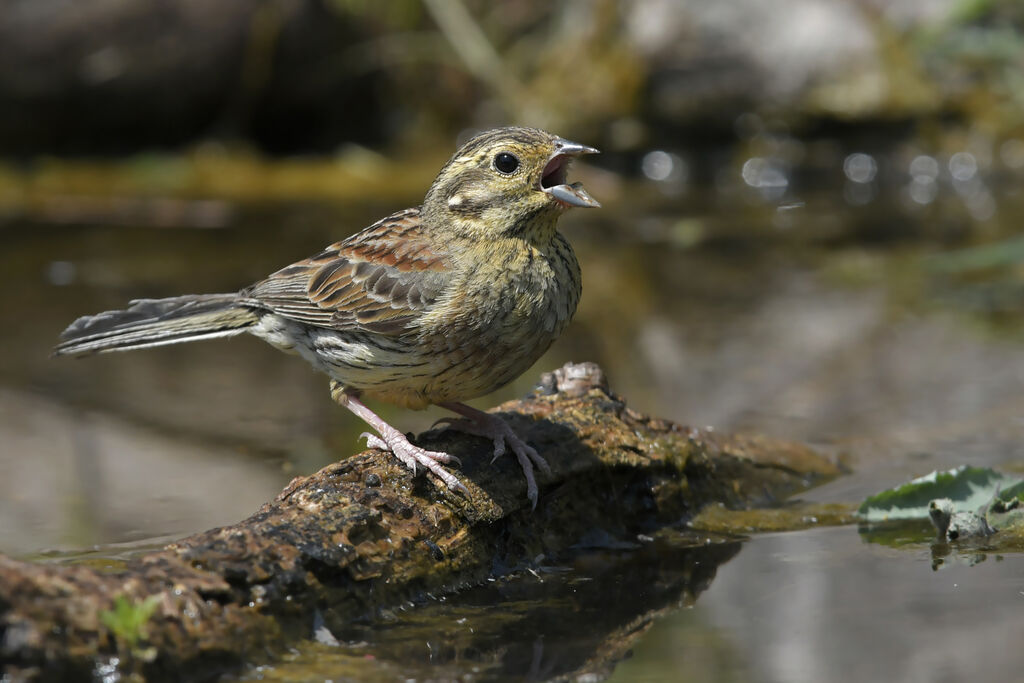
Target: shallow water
[556,620]
[814,605]
[863,326]
[821,605]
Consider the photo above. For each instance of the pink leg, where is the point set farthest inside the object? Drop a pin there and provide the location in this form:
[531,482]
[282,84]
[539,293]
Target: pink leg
[493,427]
[395,441]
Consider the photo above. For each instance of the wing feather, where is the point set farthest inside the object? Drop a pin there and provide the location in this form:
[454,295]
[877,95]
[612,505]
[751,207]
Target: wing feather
[379,280]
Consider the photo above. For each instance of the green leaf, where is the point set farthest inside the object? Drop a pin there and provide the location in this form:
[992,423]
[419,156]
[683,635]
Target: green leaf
[970,489]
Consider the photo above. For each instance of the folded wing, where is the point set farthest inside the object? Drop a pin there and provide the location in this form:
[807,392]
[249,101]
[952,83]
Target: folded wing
[379,280]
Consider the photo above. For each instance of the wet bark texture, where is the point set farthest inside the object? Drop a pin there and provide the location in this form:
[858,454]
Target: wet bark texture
[364,534]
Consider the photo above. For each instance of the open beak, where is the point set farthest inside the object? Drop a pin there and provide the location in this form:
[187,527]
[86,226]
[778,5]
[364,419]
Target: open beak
[553,178]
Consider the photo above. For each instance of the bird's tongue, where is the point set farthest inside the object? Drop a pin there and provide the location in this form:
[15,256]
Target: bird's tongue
[554,172]
[573,195]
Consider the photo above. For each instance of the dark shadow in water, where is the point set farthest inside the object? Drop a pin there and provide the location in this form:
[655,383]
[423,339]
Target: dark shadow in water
[581,616]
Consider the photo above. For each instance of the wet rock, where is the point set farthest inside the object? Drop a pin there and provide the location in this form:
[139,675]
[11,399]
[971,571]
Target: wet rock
[957,526]
[573,379]
[212,601]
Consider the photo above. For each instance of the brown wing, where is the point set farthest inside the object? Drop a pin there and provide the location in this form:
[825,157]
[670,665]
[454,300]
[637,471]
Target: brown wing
[379,280]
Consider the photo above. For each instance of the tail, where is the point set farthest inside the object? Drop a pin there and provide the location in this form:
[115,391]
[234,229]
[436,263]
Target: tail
[157,322]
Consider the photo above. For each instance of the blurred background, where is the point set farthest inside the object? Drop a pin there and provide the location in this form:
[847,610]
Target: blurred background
[810,229]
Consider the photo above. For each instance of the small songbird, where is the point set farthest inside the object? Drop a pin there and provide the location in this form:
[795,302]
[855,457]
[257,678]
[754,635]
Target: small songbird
[432,305]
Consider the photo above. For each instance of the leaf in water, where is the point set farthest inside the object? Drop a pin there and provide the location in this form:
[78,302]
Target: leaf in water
[1012,491]
[970,488]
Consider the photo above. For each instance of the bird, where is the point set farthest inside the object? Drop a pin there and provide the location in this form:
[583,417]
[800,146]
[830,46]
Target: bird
[436,304]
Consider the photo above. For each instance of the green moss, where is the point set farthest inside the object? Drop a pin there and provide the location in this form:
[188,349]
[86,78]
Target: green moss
[719,519]
[128,620]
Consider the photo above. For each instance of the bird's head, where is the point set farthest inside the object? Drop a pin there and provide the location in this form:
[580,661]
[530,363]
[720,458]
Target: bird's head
[508,180]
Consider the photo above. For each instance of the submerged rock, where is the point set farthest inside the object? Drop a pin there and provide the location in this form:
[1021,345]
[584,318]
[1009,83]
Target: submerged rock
[957,526]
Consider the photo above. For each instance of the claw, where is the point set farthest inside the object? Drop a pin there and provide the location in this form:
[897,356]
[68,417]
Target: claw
[445,420]
[391,439]
[499,448]
[412,455]
[490,426]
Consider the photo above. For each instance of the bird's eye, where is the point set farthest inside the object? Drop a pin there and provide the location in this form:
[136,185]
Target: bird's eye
[506,163]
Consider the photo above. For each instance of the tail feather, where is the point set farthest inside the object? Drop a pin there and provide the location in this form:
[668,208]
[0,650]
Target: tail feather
[157,322]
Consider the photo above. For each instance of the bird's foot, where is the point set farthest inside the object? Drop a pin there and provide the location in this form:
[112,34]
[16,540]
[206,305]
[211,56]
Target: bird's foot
[390,439]
[412,455]
[479,423]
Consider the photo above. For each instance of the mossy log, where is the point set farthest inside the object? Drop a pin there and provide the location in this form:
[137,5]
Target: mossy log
[364,534]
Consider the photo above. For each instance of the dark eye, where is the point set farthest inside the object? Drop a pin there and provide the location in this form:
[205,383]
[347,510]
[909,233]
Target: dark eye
[505,162]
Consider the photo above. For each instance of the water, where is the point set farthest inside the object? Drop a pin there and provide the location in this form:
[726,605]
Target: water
[858,320]
[575,618]
[817,605]
[821,605]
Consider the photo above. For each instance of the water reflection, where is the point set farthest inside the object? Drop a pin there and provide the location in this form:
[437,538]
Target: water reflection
[669,170]
[860,168]
[816,606]
[766,175]
[572,621]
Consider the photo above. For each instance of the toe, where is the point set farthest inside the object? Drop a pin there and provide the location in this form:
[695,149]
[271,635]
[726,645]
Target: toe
[441,456]
[412,455]
[539,461]
[374,441]
[499,448]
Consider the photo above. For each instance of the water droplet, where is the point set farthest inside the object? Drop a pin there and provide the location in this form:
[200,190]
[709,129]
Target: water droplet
[858,193]
[923,190]
[860,167]
[924,167]
[963,166]
[751,172]
[664,166]
[766,175]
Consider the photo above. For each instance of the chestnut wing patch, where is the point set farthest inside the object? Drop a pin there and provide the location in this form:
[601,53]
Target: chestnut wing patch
[379,280]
